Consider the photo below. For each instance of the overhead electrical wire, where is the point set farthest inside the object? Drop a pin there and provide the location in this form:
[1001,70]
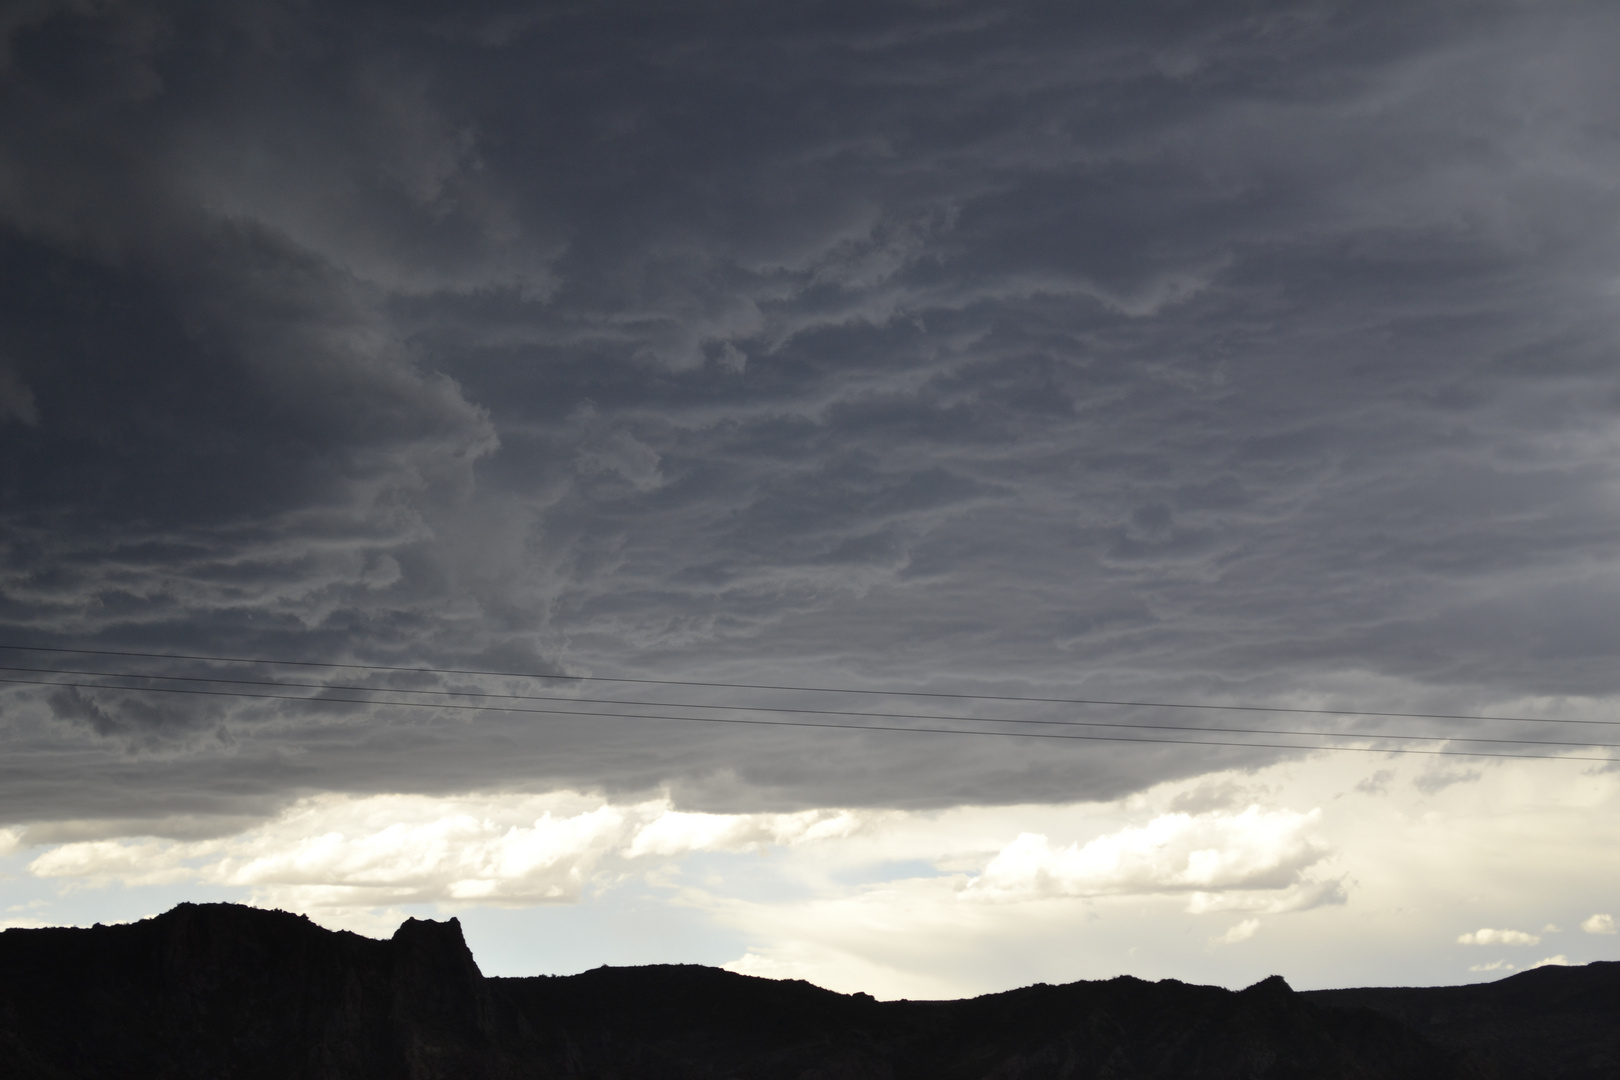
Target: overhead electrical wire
[800,689]
[1133,725]
[816,724]
[370,690]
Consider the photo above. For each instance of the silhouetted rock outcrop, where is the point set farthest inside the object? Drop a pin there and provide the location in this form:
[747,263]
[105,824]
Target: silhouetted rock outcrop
[231,992]
[227,991]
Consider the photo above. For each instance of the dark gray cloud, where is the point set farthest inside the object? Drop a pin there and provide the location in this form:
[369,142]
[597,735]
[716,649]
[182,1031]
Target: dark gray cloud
[1259,353]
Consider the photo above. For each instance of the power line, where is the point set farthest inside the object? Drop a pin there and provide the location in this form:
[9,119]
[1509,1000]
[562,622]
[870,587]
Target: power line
[805,689]
[753,708]
[817,724]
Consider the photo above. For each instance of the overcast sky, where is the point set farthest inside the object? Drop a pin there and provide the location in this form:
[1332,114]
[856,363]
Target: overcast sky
[1222,354]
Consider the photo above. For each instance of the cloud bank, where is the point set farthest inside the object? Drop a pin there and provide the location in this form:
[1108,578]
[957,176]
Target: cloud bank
[1124,351]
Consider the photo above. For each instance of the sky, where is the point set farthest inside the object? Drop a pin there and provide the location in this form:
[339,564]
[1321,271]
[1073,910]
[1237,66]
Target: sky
[712,379]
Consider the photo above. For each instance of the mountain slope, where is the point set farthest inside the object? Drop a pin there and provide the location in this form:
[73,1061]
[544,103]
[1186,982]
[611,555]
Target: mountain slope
[223,991]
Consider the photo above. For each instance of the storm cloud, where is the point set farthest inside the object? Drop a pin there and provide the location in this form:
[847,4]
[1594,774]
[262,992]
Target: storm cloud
[1256,353]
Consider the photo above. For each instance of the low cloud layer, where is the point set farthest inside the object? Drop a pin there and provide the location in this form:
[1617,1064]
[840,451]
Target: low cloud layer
[337,857]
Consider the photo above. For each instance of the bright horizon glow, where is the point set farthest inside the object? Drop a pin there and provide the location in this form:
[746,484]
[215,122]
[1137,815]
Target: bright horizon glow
[1391,873]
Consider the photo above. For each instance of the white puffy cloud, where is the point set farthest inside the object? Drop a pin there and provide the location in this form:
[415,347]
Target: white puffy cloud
[150,862]
[458,856]
[1557,961]
[1205,853]
[1486,936]
[1599,924]
[350,854]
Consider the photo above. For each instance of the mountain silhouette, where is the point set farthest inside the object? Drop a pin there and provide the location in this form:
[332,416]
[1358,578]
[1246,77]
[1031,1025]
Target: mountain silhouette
[223,991]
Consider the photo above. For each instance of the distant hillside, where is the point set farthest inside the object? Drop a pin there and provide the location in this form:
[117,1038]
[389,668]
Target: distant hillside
[1549,1022]
[222,991]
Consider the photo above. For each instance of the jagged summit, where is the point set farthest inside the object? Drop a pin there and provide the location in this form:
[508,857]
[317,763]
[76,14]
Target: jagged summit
[218,990]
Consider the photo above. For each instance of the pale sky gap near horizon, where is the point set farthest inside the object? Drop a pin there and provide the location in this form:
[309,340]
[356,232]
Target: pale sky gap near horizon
[1092,371]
